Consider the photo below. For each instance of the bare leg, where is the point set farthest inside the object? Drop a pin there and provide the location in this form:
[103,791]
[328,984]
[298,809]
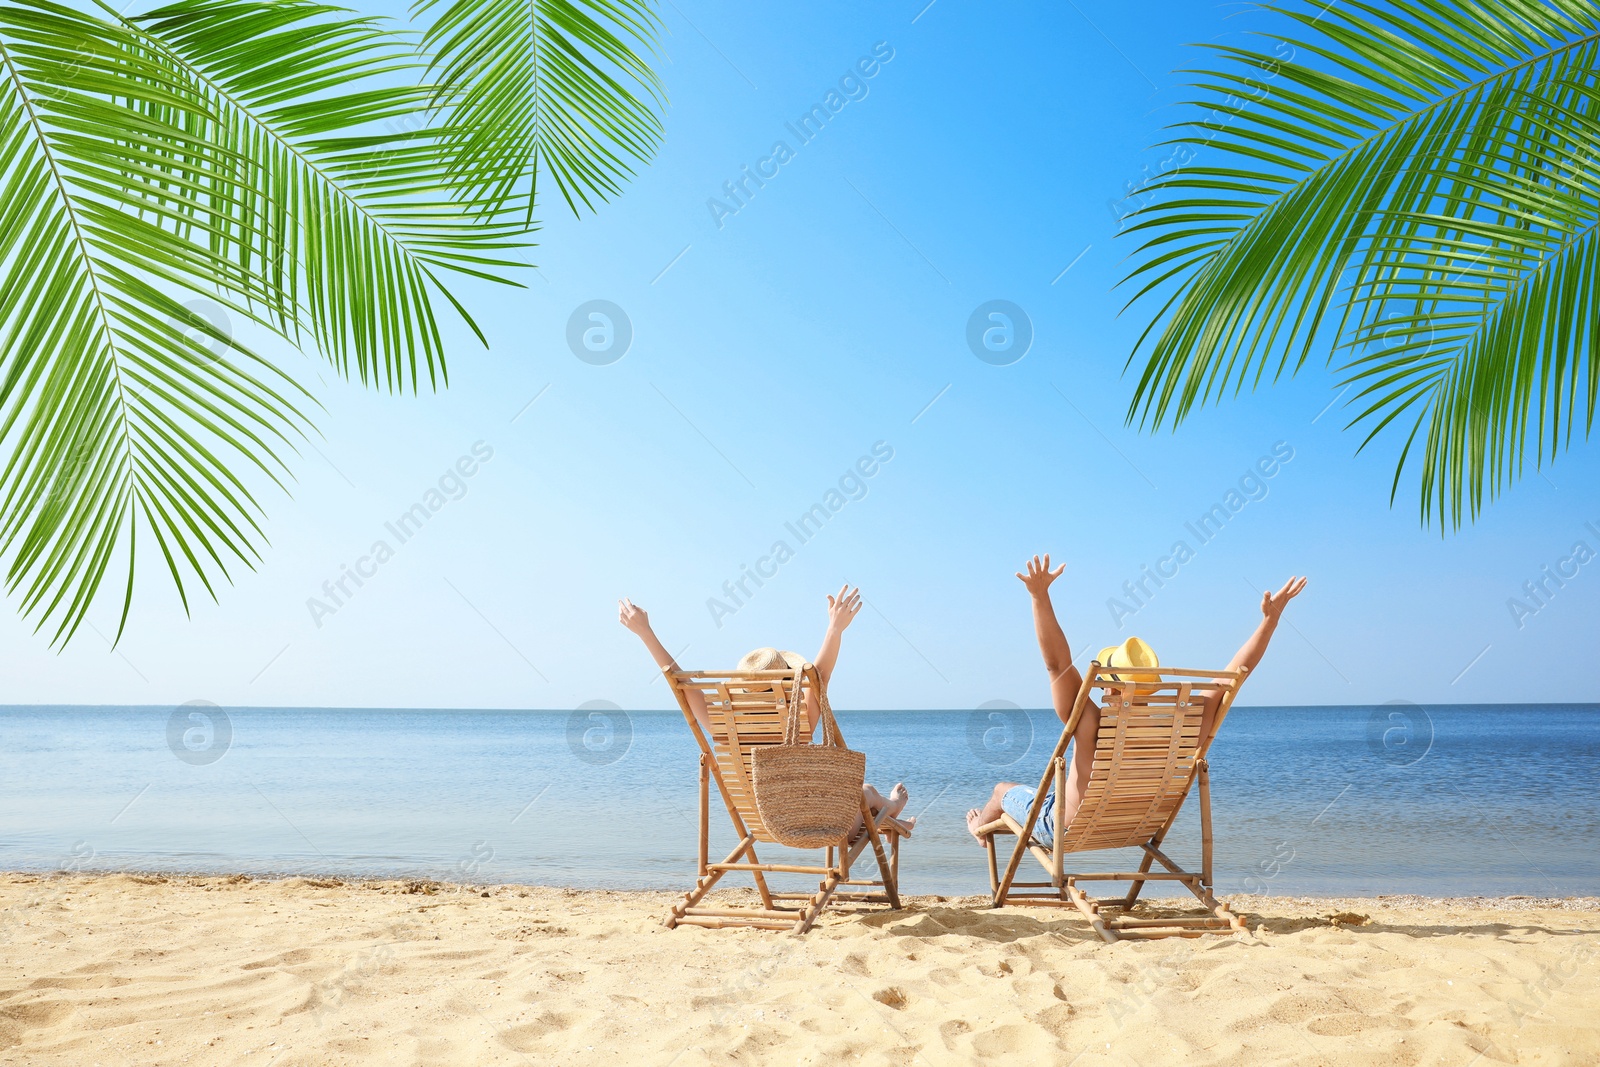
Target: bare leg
[897,800]
[896,804]
[890,805]
[990,811]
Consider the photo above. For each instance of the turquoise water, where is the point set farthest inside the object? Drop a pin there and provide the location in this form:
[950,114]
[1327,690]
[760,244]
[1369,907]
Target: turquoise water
[1439,800]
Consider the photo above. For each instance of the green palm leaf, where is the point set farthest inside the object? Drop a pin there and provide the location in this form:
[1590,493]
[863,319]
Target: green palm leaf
[116,412]
[338,204]
[545,86]
[280,158]
[1410,184]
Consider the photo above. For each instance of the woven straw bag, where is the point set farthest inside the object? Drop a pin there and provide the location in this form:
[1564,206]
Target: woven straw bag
[808,795]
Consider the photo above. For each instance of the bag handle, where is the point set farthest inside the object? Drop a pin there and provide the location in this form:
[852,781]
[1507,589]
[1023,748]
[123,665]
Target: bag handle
[830,728]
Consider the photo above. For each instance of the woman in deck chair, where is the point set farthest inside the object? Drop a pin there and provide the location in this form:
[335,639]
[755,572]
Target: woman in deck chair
[842,611]
[1016,799]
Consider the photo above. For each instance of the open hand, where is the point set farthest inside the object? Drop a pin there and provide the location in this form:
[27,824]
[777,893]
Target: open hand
[633,616]
[842,608]
[1040,575]
[1272,604]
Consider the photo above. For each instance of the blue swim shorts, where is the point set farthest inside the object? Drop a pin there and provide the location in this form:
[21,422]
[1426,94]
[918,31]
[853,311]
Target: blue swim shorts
[1017,801]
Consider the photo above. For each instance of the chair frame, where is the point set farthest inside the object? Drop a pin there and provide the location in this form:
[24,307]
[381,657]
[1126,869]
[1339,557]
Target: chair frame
[1124,687]
[796,912]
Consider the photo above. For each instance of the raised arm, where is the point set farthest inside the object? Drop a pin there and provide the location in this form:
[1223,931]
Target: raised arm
[1064,677]
[636,620]
[1255,646]
[842,610]
[1272,605]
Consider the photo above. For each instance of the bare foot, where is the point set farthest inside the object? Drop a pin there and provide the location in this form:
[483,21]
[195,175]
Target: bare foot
[975,820]
[897,800]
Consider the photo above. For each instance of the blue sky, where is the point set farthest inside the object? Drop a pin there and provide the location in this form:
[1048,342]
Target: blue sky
[771,353]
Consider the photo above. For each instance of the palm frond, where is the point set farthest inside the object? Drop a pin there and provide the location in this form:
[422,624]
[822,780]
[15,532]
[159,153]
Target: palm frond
[545,86]
[280,159]
[1486,306]
[1407,182]
[117,412]
[337,204]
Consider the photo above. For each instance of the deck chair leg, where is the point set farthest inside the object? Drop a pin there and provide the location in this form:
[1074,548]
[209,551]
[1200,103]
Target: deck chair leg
[1216,907]
[888,862]
[1011,871]
[1209,900]
[705,812]
[994,865]
[1025,834]
[890,886]
[704,883]
[1090,910]
[761,882]
[1057,876]
[1197,886]
[1203,894]
[815,905]
[1133,891]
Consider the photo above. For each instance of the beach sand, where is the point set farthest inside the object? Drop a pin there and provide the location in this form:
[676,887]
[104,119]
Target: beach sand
[121,970]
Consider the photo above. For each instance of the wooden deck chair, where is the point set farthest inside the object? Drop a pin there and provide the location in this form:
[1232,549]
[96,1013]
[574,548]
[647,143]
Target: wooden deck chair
[1148,755]
[747,710]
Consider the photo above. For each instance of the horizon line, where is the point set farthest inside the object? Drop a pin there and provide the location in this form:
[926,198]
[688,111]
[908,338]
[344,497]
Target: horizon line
[668,710]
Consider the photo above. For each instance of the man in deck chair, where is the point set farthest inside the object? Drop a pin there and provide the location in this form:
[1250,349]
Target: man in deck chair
[1065,680]
[842,611]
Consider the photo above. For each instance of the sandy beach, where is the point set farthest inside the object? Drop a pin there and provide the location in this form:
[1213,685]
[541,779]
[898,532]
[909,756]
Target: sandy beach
[127,969]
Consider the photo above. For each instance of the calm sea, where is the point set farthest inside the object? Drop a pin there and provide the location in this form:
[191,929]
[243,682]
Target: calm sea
[1440,800]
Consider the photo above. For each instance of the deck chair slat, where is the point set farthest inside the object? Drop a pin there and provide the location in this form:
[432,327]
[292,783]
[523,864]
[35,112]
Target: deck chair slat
[1135,759]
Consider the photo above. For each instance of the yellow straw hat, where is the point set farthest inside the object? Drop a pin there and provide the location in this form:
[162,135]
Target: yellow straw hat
[1131,653]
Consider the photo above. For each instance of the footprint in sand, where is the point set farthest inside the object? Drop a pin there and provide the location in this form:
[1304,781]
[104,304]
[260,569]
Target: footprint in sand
[893,997]
[856,964]
[291,958]
[1011,1039]
[526,1038]
[953,1029]
[17,1019]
